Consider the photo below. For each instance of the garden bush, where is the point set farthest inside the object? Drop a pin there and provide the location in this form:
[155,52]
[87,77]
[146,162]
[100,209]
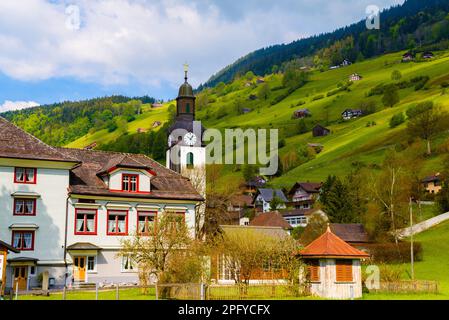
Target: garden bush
[390,253]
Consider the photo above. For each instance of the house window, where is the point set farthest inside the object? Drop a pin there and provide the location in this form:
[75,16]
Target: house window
[344,271]
[86,222]
[92,263]
[117,223]
[190,160]
[130,182]
[146,222]
[23,240]
[177,219]
[24,207]
[128,264]
[32,271]
[25,175]
[313,270]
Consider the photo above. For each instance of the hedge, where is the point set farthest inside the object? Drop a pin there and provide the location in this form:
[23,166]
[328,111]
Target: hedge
[389,252]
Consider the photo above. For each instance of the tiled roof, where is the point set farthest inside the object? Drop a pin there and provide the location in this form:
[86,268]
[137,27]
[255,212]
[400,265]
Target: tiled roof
[309,187]
[16,143]
[299,212]
[85,180]
[273,232]
[267,194]
[330,246]
[350,232]
[241,200]
[270,219]
[434,178]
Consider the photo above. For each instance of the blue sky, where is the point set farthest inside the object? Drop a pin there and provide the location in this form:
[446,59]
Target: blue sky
[71,50]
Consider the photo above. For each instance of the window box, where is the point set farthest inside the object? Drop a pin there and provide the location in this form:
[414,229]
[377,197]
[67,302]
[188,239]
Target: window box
[117,223]
[85,221]
[24,207]
[25,175]
[23,240]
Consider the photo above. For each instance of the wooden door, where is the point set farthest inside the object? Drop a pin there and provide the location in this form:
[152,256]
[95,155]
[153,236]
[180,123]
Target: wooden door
[20,277]
[79,271]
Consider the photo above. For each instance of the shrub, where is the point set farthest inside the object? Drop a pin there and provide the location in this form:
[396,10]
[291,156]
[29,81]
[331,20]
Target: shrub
[390,273]
[444,84]
[390,253]
[318,97]
[396,120]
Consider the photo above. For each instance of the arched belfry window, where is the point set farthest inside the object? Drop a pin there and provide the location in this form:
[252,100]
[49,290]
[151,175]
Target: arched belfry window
[190,160]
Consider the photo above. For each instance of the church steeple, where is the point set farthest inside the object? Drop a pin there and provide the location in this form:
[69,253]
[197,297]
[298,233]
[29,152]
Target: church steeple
[186,99]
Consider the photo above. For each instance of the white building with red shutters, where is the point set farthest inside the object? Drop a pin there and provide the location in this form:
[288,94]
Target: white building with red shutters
[67,210]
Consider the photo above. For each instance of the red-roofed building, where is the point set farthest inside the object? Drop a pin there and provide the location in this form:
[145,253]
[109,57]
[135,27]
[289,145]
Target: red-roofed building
[270,219]
[334,268]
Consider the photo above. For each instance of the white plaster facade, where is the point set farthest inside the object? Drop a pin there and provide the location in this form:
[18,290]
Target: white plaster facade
[48,223]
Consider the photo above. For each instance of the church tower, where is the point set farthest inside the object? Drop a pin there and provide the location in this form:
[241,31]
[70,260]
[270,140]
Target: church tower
[186,153]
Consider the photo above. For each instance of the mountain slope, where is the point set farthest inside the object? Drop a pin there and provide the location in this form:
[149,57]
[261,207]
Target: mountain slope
[415,22]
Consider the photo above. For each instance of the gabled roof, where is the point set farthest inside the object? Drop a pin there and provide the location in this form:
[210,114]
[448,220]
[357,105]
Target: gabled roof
[270,219]
[241,200]
[329,245]
[166,184]
[301,212]
[433,178]
[16,143]
[319,126]
[122,161]
[267,194]
[309,187]
[256,182]
[350,232]
[272,232]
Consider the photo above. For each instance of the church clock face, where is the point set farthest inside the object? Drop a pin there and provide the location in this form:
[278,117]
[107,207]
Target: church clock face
[190,138]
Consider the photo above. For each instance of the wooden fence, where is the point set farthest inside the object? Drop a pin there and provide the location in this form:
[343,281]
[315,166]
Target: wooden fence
[417,286]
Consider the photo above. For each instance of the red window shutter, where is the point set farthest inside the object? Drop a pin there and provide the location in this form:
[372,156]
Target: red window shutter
[344,271]
[314,270]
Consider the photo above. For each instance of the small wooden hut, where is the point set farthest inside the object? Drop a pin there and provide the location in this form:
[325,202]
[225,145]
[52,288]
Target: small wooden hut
[334,267]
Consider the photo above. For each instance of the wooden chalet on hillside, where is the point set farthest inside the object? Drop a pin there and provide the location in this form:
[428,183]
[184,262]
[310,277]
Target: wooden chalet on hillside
[320,131]
[304,194]
[349,114]
[301,113]
[355,77]
[433,183]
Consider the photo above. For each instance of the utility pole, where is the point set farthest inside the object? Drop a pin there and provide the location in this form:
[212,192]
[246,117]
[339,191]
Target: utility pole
[411,241]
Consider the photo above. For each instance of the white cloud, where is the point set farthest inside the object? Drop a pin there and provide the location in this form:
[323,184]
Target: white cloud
[17,105]
[146,42]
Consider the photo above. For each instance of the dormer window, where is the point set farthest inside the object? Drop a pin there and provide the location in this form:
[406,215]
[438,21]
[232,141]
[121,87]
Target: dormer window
[130,182]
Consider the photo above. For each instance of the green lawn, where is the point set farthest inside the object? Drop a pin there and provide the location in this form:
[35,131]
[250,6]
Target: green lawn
[124,294]
[435,265]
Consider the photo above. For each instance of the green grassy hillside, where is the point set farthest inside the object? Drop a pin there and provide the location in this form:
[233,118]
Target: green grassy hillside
[143,121]
[434,266]
[351,142]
